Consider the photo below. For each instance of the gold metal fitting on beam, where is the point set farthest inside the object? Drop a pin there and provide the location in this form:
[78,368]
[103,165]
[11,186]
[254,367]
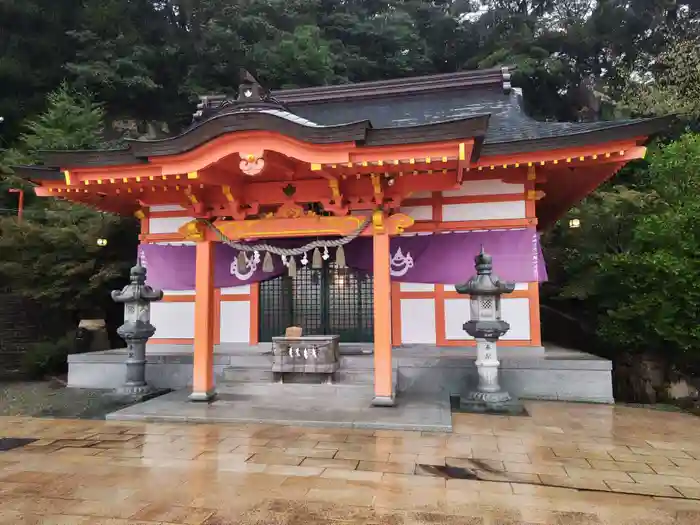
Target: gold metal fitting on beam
[226,190]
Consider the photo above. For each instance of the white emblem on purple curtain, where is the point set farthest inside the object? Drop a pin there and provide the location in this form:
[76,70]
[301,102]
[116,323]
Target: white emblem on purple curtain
[251,265]
[142,259]
[400,263]
[535,257]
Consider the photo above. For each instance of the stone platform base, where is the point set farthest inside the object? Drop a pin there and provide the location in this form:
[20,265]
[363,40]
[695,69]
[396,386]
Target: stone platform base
[549,373]
[347,406]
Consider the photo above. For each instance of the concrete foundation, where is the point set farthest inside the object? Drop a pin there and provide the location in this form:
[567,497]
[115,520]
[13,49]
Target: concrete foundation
[550,373]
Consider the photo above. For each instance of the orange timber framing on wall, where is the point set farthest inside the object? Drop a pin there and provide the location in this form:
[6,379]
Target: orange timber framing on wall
[439,294]
[252,297]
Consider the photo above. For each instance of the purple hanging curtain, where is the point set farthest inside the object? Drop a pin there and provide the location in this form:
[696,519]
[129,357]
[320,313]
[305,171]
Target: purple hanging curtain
[440,259]
[449,258]
[173,267]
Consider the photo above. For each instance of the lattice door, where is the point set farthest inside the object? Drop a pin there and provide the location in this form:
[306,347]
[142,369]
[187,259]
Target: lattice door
[326,301]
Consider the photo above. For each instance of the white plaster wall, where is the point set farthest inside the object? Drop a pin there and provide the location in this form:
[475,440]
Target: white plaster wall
[419,213]
[235,322]
[483,210]
[518,286]
[456,314]
[166,224]
[179,292]
[237,290]
[417,287]
[485,187]
[418,321]
[173,320]
[515,311]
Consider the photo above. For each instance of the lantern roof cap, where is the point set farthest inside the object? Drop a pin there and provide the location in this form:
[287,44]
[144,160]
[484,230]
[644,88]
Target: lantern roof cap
[484,282]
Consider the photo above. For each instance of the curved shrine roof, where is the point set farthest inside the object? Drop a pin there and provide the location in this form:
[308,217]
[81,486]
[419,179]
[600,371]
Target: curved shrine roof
[479,105]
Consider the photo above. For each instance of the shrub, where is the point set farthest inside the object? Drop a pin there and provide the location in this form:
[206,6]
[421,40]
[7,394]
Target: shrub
[48,357]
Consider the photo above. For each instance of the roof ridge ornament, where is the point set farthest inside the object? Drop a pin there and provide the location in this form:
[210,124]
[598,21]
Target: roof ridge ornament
[250,90]
[251,95]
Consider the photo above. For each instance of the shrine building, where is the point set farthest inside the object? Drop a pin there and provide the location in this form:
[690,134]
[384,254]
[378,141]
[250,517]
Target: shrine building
[397,182]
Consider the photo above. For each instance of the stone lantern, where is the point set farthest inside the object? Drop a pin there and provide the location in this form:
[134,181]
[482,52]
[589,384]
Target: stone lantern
[486,326]
[137,329]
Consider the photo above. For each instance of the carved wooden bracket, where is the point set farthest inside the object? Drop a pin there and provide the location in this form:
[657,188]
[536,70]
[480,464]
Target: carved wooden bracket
[193,231]
[195,206]
[290,210]
[235,207]
[377,188]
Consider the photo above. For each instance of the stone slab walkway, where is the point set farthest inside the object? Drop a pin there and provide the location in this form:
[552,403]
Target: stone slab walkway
[305,405]
[567,464]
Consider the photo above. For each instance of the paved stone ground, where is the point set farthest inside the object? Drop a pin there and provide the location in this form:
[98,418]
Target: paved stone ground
[567,464]
[52,399]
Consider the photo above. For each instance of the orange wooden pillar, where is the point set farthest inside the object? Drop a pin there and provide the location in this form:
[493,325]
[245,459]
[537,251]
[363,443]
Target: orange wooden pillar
[203,367]
[383,370]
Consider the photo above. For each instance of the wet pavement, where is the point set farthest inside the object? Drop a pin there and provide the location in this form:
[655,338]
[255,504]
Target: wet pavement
[567,464]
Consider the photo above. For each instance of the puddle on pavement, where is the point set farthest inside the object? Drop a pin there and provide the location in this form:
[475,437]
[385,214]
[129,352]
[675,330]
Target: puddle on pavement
[447,472]
[7,444]
[453,472]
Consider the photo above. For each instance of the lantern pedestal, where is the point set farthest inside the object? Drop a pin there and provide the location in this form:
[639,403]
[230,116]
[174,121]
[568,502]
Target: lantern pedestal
[488,398]
[135,335]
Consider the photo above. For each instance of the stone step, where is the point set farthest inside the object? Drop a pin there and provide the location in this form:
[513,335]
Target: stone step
[250,361]
[236,375]
[356,362]
[294,390]
[247,375]
[354,376]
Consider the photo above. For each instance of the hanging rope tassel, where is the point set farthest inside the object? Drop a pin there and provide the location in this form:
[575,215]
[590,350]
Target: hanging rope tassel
[292,267]
[316,261]
[268,265]
[340,258]
[241,262]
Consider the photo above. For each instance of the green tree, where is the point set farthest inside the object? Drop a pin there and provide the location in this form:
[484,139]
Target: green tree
[631,269]
[34,47]
[51,258]
[72,121]
[671,86]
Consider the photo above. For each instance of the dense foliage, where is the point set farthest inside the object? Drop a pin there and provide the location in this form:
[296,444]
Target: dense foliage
[632,267]
[627,275]
[51,258]
[147,60]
